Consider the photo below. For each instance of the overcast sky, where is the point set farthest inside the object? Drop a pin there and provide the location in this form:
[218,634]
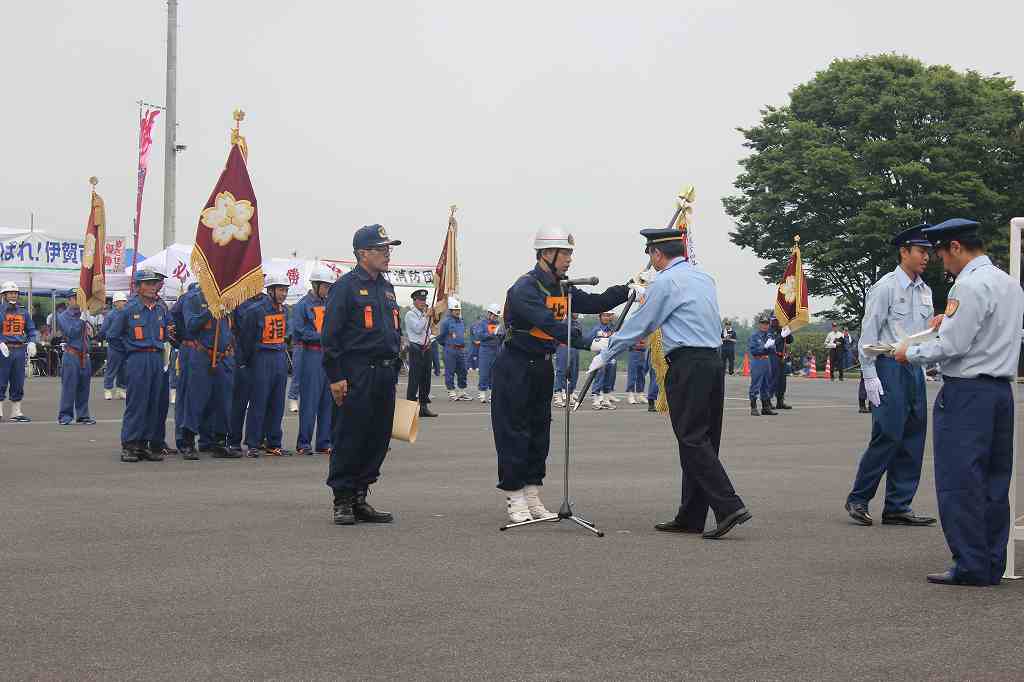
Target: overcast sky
[589,114]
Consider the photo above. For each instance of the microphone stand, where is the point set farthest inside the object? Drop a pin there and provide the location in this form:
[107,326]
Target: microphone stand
[565,511]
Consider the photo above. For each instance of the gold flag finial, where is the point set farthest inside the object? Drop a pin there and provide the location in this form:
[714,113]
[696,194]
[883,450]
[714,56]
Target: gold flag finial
[452,208]
[93,180]
[239,116]
[236,135]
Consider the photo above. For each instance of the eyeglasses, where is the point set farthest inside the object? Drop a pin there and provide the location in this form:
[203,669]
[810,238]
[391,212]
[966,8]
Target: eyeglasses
[379,249]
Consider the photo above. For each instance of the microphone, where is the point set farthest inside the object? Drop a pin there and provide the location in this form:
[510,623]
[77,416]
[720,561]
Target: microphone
[582,280]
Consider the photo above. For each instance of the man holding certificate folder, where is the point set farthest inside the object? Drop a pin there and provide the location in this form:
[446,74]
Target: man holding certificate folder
[898,305]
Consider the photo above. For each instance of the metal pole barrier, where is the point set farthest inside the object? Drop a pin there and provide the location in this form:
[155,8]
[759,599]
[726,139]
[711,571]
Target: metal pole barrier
[1016,532]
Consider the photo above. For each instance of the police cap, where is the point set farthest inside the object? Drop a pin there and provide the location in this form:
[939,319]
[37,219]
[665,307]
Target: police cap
[372,236]
[148,276]
[419,295]
[914,236]
[659,235]
[954,228]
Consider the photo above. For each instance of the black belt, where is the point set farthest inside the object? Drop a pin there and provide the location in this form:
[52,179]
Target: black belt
[531,357]
[983,377]
[678,353]
[382,362]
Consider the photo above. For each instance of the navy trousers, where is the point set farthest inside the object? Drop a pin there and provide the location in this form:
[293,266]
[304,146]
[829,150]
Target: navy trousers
[761,378]
[362,427]
[146,378]
[521,417]
[208,398]
[268,377]
[315,401]
[973,447]
[295,387]
[74,388]
[240,392]
[12,374]
[454,367]
[560,369]
[637,371]
[898,429]
[181,394]
[158,436]
[113,371]
[652,384]
[486,358]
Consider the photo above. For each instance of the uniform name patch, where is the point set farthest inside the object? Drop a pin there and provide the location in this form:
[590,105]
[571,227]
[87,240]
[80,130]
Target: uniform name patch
[951,307]
[364,292]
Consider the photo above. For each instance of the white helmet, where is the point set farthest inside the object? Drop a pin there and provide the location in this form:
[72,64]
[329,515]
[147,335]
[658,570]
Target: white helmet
[8,286]
[553,238]
[321,274]
[274,280]
[494,309]
[120,296]
[453,304]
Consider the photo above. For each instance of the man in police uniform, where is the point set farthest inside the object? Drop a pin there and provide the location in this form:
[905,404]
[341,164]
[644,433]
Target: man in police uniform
[417,331]
[683,302]
[143,330]
[266,327]
[361,340]
[729,347]
[18,338]
[978,348]
[76,366]
[315,396]
[899,304]
[113,370]
[761,346]
[535,309]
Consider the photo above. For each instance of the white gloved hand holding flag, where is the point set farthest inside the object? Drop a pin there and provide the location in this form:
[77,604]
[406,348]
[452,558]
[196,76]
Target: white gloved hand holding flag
[4,350]
[31,349]
[596,364]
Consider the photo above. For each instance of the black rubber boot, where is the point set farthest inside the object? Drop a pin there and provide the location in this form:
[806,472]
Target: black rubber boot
[364,512]
[862,409]
[343,514]
[650,406]
[766,407]
[781,403]
[426,411]
[753,408]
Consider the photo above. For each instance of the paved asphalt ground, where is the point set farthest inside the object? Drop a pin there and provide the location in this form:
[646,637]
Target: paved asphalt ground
[232,569]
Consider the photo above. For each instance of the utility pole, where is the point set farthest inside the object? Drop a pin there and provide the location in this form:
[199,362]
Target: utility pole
[171,122]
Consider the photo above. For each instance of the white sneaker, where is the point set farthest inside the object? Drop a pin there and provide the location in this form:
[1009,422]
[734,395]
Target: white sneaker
[121,394]
[453,396]
[108,395]
[1,409]
[463,396]
[630,399]
[608,404]
[559,399]
[174,394]
[611,396]
[516,506]
[16,410]
[598,403]
[482,397]
[293,405]
[535,505]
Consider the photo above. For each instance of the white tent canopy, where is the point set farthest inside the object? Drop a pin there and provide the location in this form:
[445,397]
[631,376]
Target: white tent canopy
[175,262]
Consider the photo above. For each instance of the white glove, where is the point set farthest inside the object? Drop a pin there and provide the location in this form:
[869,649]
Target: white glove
[596,364]
[873,387]
[31,349]
[638,290]
[786,331]
[770,343]
[4,350]
[599,344]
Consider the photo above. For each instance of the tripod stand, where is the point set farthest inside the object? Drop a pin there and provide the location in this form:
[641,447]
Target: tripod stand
[565,511]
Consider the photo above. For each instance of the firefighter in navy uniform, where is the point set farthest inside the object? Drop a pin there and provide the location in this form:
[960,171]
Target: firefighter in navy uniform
[143,330]
[265,326]
[17,345]
[315,402]
[523,376]
[783,337]
[361,340]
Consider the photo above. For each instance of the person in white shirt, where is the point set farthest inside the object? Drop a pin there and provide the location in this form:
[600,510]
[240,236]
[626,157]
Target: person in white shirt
[835,343]
[417,331]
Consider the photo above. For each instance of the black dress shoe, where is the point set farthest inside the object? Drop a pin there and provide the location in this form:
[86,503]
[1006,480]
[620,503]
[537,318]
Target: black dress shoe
[783,406]
[128,453]
[219,451]
[674,526]
[859,513]
[149,456]
[426,411]
[650,406]
[364,512]
[343,514]
[863,410]
[88,421]
[907,518]
[304,451]
[191,454]
[739,516]
[948,578]
[253,452]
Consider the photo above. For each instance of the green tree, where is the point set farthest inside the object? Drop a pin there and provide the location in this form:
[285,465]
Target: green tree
[871,146]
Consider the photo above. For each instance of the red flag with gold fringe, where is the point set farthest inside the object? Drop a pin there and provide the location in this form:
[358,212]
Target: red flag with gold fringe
[226,258]
[92,283]
[791,298]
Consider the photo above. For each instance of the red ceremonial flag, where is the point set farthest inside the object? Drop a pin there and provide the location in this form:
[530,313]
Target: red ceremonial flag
[791,299]
[146,121]
[226,259]
[447,271]
[92,289]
